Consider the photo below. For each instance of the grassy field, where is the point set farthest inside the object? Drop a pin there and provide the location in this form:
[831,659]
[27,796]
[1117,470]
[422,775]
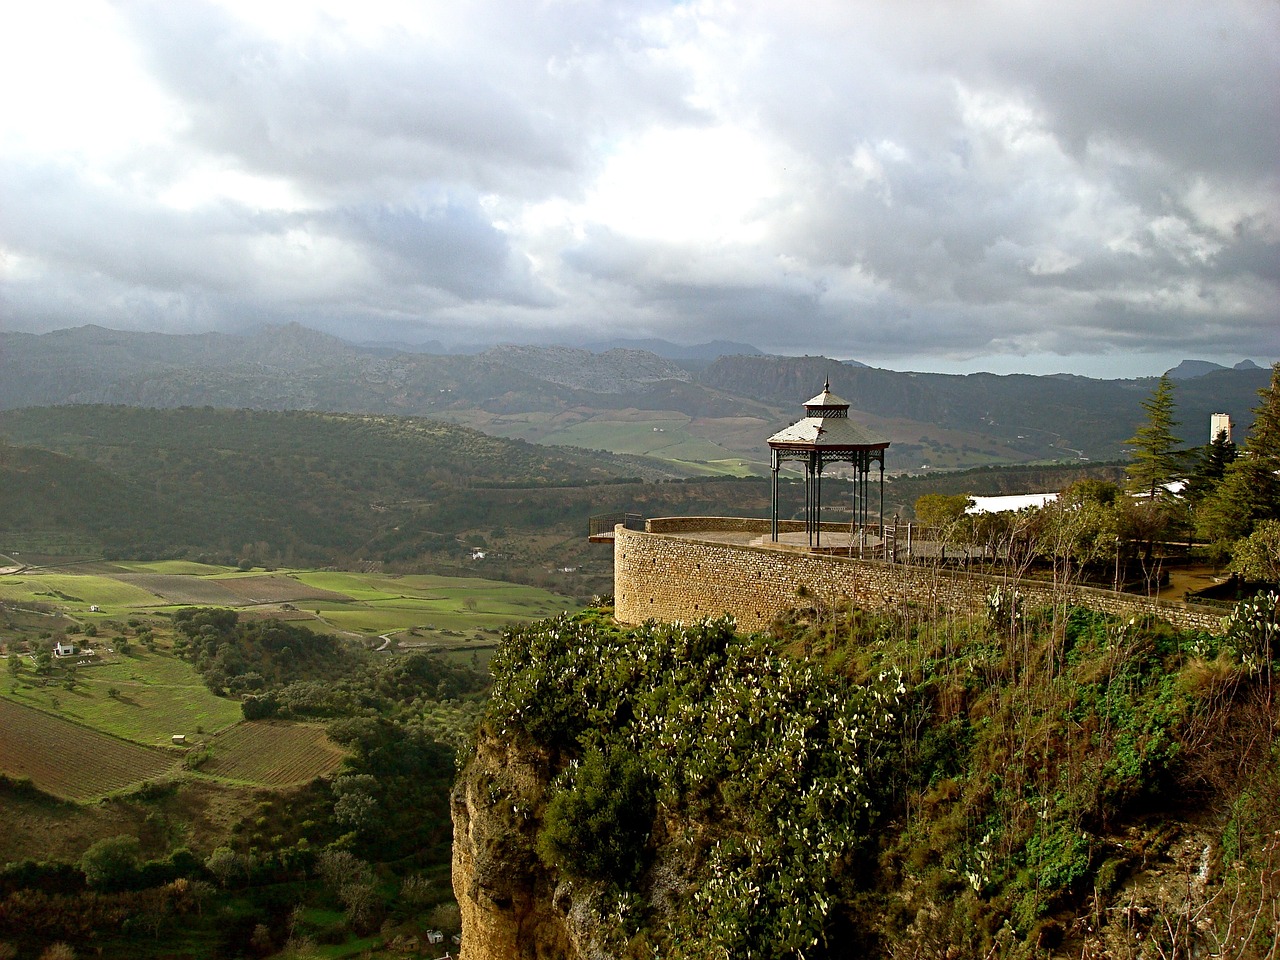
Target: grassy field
[156,696]
[422,607]
[103,723]
[367,604]
[669,439]
[80,590]
[179,568]
[716,446]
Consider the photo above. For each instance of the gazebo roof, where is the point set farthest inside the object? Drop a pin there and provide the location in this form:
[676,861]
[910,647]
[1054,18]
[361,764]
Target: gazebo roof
[827,432]
[827,427]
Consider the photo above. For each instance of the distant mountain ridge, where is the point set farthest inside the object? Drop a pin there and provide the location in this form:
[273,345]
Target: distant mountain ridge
[675,351]
[1090,418]
[978,418]
[611,371]
[1190,369]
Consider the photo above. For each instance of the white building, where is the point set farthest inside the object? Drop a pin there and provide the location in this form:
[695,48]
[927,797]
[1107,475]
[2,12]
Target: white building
[1219,422]
[1003,504]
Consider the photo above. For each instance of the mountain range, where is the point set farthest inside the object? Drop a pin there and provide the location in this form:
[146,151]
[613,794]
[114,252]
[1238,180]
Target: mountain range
[628,396]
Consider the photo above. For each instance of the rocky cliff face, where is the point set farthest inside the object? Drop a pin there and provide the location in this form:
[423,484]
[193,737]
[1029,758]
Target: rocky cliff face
[513,908]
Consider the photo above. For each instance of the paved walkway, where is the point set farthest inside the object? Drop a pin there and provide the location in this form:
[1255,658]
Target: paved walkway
[793,540]
[835,541]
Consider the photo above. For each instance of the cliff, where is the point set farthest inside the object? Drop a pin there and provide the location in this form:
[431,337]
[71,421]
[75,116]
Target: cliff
[509,903]
[1047,783]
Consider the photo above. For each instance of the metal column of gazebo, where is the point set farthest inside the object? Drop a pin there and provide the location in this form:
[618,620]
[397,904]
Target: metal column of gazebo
[826,435]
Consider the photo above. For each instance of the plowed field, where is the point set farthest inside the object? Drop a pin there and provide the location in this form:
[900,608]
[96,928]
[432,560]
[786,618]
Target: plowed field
[276,588]
[71,761]
[175,588]
[273,753]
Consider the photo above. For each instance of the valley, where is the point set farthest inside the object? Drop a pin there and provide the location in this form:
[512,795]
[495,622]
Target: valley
[126,734]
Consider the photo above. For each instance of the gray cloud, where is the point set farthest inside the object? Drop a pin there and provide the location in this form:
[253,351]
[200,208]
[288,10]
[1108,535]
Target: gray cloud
[932,182]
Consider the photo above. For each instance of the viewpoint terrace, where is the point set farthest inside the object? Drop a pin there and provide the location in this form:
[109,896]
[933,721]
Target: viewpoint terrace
[686,568]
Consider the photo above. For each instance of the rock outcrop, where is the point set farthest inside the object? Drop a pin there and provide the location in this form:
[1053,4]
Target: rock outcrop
[513,907]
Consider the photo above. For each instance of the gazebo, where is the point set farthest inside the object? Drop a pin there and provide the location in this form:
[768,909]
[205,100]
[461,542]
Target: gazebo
[826,435]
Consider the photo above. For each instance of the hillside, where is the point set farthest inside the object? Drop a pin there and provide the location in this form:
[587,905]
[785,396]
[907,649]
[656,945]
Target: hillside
[1041,783]
[298,488]
[313,807]
[65,505]
[1074,416]
[563,395]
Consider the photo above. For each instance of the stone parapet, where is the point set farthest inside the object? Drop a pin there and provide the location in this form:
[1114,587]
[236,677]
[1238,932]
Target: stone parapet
[662,576]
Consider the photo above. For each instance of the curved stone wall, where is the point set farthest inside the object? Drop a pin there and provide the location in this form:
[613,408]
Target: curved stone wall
[661,576]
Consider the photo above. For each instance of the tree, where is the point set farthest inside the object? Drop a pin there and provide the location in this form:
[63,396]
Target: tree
[111,864]
[1250,489]
[225,864]
[597,824]
[1091,490]
[940,510]
[1075,531]
[1257,556]
[1156,459]
[1211,464]
[1264,435]
[356,803]
[338,867]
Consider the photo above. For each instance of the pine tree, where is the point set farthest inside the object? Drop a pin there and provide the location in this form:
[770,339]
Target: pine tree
[1250,488]
[1211,464]
[1264,435]
[1156,458]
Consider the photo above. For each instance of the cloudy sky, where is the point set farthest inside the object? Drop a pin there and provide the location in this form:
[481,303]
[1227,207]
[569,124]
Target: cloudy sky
[1088,186]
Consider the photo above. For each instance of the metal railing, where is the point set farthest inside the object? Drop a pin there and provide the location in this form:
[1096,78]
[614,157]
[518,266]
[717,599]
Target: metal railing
[601,525]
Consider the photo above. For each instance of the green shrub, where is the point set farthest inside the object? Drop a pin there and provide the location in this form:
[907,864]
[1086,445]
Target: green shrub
[111,864]
[597,824]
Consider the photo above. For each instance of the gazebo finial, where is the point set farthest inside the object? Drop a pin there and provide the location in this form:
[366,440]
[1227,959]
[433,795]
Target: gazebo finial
[826,384]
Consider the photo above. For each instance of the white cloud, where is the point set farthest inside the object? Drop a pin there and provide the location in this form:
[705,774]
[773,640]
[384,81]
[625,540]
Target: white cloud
[887,181]
[707,185]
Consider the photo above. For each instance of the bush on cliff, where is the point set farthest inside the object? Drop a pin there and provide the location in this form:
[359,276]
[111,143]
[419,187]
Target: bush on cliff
[775,760]
[898,784]
[597,823]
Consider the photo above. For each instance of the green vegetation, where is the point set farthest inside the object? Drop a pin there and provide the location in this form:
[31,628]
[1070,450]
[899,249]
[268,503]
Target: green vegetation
[939,510]
[598,824]
[268,754]
[277,488]
[1156,459]
[993,787]
[85,589]
[769,764]
[325,824]
[252,489]
[374,782]
[1249,491]
[421,610]
[664,439]
[66,760]
[1232,501]
[901,492]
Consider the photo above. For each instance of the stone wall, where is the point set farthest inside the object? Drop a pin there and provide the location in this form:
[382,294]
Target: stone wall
[660,576]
